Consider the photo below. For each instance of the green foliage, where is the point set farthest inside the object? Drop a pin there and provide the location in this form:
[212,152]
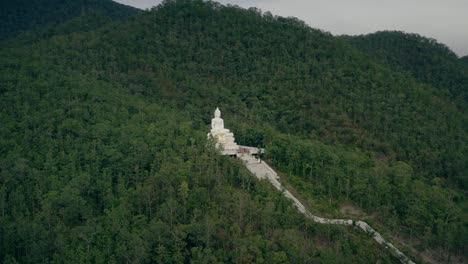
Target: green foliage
[394,191]
[464,59]
[425,59]
[94,174]
[24,15]
[103,155]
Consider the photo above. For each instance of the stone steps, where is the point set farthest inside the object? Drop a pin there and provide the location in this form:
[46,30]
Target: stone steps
[262,171]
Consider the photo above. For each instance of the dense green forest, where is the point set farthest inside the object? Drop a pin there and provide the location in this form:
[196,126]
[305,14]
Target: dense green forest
[464,59]
[99,175]
[24,15]
[425,59]
[103,153]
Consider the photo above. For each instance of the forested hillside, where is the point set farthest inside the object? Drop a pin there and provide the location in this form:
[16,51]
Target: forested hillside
[425,59]
[18,16]
[464,59]
[103,156]
[97,174]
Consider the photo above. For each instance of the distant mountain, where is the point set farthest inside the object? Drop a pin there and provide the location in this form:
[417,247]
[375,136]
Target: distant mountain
[425,59]
[24,15]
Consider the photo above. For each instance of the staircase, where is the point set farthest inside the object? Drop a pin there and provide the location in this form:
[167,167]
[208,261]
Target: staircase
[264,172]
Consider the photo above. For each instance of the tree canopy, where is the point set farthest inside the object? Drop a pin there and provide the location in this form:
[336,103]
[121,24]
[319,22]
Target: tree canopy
[103,153]
[423,58]
[24,15]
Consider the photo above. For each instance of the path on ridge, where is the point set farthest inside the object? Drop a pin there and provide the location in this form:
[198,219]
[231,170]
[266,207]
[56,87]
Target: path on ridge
[262,171]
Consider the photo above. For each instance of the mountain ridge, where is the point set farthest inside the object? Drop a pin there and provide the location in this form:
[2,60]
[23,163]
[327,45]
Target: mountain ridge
[23,16]
[425,59]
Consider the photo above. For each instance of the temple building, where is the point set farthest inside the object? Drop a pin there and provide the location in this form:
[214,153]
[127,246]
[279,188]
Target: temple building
[223,137]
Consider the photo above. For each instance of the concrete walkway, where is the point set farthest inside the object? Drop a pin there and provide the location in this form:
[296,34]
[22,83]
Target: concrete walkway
[262,171]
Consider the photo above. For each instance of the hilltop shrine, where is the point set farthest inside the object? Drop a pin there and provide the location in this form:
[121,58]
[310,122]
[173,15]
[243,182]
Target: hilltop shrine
[224,138]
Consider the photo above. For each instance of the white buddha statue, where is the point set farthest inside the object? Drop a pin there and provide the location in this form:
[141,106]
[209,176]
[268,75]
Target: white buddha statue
[217,123]
[224,138]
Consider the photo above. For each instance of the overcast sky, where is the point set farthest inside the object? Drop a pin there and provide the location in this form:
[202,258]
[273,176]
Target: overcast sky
[444,20]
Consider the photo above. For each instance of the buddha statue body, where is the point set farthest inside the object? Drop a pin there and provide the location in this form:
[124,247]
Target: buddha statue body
[223,137]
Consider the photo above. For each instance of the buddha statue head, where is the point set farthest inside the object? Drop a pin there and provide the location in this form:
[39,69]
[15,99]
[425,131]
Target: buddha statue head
[217,113]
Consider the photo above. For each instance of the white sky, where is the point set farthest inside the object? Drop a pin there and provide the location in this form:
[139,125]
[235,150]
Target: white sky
[444,20]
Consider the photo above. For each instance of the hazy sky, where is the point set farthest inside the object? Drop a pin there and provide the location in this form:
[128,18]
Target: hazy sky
[444,20]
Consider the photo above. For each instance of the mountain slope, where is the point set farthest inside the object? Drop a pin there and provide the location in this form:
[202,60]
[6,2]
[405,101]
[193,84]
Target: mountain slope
[265,61]
[464,59]
[91,171]
[101,121]
[425,59]
[22,16]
